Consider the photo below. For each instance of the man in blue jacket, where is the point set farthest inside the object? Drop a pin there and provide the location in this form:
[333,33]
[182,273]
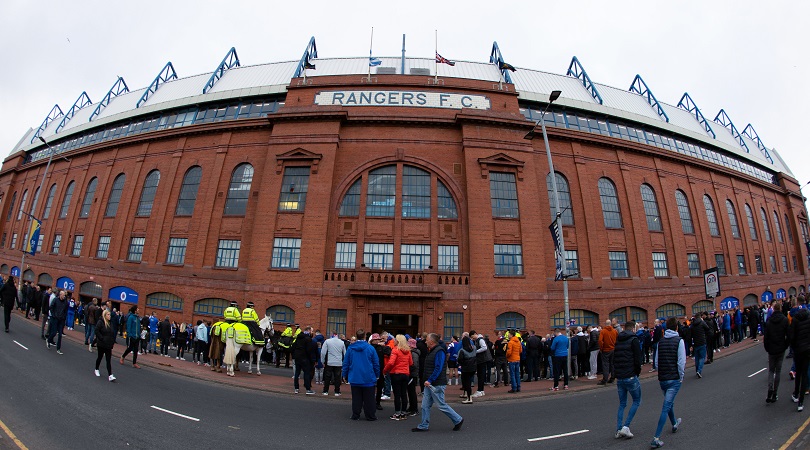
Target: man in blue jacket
[361,367]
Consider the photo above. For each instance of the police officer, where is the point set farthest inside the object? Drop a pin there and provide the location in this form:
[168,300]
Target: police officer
[285,346]
[232,313]
[251,319]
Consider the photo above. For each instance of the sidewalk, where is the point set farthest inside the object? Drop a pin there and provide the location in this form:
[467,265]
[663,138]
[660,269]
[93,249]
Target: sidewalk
[280,380]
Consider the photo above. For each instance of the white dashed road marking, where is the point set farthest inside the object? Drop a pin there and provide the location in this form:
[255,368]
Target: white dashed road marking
[758,372]
[176,414]
[545,438]
[21,345]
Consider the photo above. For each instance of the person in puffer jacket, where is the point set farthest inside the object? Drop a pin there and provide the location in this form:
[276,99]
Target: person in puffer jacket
[776,342]
[399,367]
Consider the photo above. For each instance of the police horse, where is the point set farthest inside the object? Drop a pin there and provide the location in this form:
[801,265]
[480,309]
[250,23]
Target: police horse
[237,337]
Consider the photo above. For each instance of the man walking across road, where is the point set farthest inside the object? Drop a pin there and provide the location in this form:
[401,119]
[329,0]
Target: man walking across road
[800,342]
[776,342]
[58,313]
[435,384]
[628,358]
[700,335]
[607,343]
[671,363]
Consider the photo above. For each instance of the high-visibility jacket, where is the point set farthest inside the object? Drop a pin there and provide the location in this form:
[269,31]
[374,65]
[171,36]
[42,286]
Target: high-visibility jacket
[286,339]
[232,313]
[249,315]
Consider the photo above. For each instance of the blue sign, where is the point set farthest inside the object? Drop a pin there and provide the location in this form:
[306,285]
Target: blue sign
[781,293]
[15,271]
[123,294]
[729,303]
[767,296]
[66,284]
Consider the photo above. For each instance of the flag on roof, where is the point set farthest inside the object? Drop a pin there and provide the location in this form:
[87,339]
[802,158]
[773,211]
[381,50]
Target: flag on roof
[442,60]
[507,66]
[309,65]
[373,61]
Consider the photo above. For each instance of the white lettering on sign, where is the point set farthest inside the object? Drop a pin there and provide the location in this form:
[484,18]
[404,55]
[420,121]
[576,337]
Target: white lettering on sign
[417,99]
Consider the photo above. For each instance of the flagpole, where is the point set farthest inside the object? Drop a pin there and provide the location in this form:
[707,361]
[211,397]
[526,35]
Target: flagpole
[435,58]
[370,45]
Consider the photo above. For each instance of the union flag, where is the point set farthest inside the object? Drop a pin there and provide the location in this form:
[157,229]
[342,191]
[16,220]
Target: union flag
[442,60]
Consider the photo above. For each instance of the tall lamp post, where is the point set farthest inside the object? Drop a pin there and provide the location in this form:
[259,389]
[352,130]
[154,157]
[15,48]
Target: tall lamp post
[806,243]
[31,214]
[557,215]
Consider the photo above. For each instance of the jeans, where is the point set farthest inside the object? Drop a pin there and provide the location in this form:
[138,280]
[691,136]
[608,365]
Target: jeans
[560,365]
[436,394]
[305,368]
[153,337]
[607,366]
[363,399]
[594,354]
[700,358]
[481,375]
[399,387]
[633,386]
[55,327]
[774,371]
[670,389]
[89,333]
[514,375]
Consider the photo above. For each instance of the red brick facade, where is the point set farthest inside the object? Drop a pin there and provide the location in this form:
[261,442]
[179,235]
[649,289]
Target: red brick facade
[458,148]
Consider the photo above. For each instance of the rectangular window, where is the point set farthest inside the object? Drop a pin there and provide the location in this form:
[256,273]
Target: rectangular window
[415,193]
[572,264]
[42,239]
[14,241]
[503,194]
[453,325]
[382,189]
[773,263]
[508,260]
[785,267]
[335,321]
[414,257]
[448,258]
[660,267]
[346,255]
[758,262]
[3,240]
[693,261]
[286,253]
[741,265]
[378,256]
[618,265]
[57,242]
[135,252]
[720,260]
[77,245]
[228,253]
[177,251]
[294,187]
[103,249]
[795,262]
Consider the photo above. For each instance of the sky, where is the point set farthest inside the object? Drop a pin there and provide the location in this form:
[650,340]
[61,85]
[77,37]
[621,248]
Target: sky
[747,57]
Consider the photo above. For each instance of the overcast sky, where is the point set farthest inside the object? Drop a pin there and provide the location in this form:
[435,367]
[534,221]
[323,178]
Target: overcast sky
[748,57]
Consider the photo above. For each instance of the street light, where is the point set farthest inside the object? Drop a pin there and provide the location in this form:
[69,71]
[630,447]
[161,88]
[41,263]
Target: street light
[557,214]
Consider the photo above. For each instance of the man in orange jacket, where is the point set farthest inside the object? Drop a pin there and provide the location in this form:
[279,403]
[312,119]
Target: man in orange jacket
[513,350]
[607,343]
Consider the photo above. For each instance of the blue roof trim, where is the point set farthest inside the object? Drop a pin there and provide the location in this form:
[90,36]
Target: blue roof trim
[80,103]
[56,112]
[688,104]
[120,87]
[310,53]
[723,119]
[640,87]
[166,73]
[495,57]
[229,61]
[576,70]
[751,133]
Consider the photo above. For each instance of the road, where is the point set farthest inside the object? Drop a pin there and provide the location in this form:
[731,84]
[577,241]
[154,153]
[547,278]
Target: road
[50,401]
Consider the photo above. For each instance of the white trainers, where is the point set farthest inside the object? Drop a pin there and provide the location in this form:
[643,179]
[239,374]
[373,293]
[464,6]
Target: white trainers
[478,394]
[97,373]
[626,432]
[111,378]
[385,397]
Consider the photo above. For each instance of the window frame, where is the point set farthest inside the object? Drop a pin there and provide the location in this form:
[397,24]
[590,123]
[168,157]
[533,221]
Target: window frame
[611,209]
[286,253]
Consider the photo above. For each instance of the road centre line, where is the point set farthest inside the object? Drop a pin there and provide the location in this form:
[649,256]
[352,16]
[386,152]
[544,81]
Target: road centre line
[21,345]
[175,414]
[545,438]
[12,436]
[758,372]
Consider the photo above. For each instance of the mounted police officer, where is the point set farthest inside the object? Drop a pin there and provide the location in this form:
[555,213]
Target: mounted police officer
[232,314]
[251,319]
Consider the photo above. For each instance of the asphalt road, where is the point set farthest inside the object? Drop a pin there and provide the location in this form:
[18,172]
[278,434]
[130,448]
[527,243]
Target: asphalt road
[55,402]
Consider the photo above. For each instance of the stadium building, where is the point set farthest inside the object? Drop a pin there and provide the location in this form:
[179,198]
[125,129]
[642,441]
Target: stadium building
[400,194]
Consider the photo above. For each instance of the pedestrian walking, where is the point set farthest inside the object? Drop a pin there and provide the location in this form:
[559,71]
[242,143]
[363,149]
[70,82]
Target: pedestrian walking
[8,294]
[467,361]
[333,351]
[361,367]
[399,368]
[671,363]
[90,324]
[133,326]
[776,342]
[627,359]
[700,335]
[435,384]
[800,342]
[607,343]
[56,323]
[105,341]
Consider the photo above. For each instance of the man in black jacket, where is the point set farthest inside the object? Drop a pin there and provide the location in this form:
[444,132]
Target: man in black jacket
[627,365]
[753,322]
[58,316]
[800,342]
[533,351]
[776,342]
[303,350]
[700,333]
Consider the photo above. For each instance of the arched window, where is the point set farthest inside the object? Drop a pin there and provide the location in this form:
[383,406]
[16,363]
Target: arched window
[752,228]
[28,275]
[22,204]
[787,226]
[765,227]
[638,314]
[350,206]
[650,208]
[732,219]
[447,206]
[564,194]
[281,314]
[11,207]
[619,314]
[49,201]
[510,321]
[415,193]
[703,305]
[776,225]
[66,201]
[89,195]
[91,289]
[382,187]
[750,300]
[670,310]
[239,190]
[164,300]
[711,217]
[683,212]
[211,306]
[45,279]
[150,186]
[188,192]
[4,269]
[579,317]
[610,204]
[36,201]
[115,196]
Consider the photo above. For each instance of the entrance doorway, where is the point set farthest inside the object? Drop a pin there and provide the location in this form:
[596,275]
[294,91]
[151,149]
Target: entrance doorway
[395,324]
